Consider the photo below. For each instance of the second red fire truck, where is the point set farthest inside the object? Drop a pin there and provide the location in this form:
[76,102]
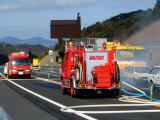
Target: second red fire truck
[18,65]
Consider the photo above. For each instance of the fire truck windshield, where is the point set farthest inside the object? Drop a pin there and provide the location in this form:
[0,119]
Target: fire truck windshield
[131,54]
[20,61]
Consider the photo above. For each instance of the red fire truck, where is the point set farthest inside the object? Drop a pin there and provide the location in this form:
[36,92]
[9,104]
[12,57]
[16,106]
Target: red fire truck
[18,65]
[87,69]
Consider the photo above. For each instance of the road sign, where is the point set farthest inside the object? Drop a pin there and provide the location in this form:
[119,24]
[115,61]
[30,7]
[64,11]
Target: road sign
[50,52]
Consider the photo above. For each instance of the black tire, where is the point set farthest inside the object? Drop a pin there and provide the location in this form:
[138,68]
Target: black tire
[8,77]
[74,92]
[5,75]
[63,89]
[28,76]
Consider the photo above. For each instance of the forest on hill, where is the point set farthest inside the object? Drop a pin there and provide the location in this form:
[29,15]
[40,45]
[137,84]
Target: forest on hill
[124,25]
[35,50]
[120,27]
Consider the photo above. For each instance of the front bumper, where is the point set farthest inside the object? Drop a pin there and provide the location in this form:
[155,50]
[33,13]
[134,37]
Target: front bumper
[20,72]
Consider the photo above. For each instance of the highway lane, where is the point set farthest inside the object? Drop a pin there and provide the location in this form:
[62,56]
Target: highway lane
[42,104]
[20,108]
[140,84]
[52,91]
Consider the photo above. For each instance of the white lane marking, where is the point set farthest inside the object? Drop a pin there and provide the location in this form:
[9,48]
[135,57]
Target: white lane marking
[51,101]
[116,112]
[114,105]
[68,109]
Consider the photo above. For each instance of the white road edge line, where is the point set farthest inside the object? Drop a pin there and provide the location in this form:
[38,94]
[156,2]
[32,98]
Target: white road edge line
[113,112]
[52,102]
[114,105]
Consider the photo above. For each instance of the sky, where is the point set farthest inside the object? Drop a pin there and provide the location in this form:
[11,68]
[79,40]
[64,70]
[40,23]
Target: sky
[31,18]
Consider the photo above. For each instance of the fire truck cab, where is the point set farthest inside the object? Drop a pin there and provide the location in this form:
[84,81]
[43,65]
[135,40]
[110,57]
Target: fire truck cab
[88,69]
[18,65]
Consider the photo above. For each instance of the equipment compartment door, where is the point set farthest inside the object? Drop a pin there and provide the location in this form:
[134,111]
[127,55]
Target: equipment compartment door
[94,59]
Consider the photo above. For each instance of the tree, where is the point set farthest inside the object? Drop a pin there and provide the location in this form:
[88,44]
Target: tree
[156,10]
[3,59]
[60,47]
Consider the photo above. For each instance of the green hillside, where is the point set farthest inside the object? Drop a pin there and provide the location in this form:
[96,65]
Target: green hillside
[35,50]
[123,25]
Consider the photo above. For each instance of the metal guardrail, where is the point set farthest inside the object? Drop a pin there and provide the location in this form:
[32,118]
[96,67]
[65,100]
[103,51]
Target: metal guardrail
[50,69]
[48,72]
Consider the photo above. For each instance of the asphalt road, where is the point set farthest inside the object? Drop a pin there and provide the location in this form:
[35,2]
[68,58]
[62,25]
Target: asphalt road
[41,100]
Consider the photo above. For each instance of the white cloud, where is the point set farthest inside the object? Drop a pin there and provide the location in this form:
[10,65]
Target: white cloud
[9,5]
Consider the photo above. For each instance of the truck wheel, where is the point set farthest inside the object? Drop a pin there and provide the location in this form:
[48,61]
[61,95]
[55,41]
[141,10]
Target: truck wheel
[8,76]
[63,89]
[5,75]
[29,76]
[72,90]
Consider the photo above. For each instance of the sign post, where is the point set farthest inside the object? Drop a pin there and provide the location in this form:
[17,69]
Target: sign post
[50,52]
[151,92]
[48,77]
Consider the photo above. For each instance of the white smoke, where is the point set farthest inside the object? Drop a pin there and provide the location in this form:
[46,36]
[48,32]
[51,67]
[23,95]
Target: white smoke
[150,35]
[150,39]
